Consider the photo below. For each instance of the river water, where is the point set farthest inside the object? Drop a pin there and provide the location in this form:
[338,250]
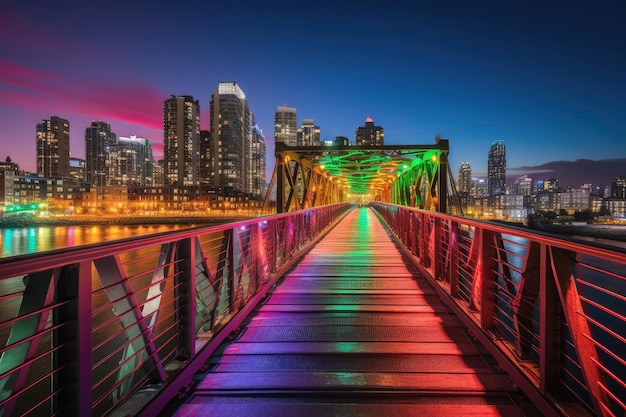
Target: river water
[25,240]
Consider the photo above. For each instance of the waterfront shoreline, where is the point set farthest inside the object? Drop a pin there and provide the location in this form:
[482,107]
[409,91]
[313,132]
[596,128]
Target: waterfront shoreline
[15,222]
[599,231]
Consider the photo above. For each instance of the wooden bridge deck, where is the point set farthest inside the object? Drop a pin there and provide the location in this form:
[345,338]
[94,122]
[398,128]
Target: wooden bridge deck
[353,330]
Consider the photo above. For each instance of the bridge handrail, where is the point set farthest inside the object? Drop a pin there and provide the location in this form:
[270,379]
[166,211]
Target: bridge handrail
[88,330]
[550,309]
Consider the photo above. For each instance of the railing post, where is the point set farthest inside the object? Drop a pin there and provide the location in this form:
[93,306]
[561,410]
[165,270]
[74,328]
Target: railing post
[443,183]
[488,279]
[230,256]
[280,183]
[437,249]
[454,259]
[550,332]
[74,359]
[186,313]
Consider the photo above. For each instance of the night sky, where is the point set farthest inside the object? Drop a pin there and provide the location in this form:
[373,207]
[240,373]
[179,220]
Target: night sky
[547,78]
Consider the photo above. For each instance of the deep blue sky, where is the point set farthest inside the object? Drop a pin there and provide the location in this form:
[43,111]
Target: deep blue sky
[547,79]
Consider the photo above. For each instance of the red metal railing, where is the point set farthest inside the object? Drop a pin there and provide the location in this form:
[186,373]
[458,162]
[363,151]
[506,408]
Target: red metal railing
[90,330]
[551,310]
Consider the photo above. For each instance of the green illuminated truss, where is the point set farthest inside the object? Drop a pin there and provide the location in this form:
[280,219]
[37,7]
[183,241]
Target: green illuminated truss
[411,175]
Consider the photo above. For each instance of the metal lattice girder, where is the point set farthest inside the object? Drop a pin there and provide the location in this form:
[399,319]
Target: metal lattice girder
[411,175]
[25,334]
[135,320]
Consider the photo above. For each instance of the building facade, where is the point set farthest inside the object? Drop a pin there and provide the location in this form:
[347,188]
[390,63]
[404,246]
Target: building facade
[181,141]
[98,141]
[523,186]
[618,187]
[258,163]
[53,148]
[464,180]
[574,199]
[78,169]
[285,126]
[206,167]
[230,131]
[7,186]
[132,162]
[308,134]
[370,134]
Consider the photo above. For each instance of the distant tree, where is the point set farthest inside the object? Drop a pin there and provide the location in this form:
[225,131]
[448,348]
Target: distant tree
[582,215]
[549,215]
[562,212]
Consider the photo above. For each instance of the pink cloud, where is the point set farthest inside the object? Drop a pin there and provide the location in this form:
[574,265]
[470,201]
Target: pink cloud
[135,103]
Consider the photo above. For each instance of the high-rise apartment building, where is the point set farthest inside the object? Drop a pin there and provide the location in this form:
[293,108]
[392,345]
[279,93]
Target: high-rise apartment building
[464,184]
[181,141]
[618,187]
[132,162]
[479,188]
[523,186]
[464,180]
[308,134]
[230,131]
[496,169]
[258,162]
[370,135]
[285,126]
[98,141]
[53,148]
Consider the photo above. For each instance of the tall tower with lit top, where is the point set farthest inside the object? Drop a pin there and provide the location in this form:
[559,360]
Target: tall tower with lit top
[231,139]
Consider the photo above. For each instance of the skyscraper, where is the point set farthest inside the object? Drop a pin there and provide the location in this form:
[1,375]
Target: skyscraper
[181,141]
[53,148]
[308,133]
[496,169]
[464,181]
[370,135]
[285,126]
[258,163]
[230,131]
[98,141]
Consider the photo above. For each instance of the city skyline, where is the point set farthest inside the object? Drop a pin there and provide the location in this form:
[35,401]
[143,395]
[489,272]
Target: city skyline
[545,79]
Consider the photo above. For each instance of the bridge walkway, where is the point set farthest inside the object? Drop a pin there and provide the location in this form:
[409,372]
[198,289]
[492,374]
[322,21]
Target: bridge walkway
[353,330]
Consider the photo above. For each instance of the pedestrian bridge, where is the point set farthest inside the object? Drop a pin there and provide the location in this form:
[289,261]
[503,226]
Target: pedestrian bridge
[335,310]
